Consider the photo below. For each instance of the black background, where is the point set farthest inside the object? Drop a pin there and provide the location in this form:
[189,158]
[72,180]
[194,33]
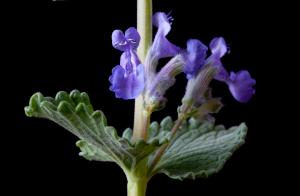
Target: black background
[66,45]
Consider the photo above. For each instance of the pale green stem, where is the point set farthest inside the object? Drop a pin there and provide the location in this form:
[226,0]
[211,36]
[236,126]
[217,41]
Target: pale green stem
[144,27]
[137,177]
[136,186]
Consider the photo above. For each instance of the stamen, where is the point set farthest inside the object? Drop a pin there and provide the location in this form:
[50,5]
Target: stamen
[170,18]
[132,41]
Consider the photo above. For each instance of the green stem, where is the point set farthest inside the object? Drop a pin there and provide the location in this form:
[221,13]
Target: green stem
[144,27]
[137,178]
[137,186]
[142,123]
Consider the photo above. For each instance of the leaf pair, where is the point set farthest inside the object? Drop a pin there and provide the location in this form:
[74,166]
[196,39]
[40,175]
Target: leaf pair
[198,149]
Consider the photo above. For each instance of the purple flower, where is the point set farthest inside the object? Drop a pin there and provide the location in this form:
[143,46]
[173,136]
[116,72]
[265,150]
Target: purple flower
[197,86]
[122,42]
[241,85]
[218,49]
[129,61]
[127,79]
[163,80]
[127,86]
[161,46]
[158,82]
[194,57]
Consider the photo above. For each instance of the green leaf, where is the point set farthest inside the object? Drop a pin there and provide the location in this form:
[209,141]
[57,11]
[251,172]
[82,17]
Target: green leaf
[166,123]
[157,133]
[200,149]
[98,141]
[91,152]
[160,132]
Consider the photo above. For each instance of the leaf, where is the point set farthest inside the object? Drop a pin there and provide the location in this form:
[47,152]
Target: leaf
[161,132]
[200,149]
[98,141]
[166,123]
[90,152]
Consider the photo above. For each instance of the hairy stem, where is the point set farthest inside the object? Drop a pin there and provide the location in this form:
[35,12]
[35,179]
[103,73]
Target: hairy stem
[144,27]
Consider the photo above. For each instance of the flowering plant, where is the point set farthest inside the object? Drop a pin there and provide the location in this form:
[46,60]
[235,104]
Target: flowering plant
[189,147]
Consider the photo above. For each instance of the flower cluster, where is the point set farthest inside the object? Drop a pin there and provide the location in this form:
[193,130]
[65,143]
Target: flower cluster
[189,147]
[131,78]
